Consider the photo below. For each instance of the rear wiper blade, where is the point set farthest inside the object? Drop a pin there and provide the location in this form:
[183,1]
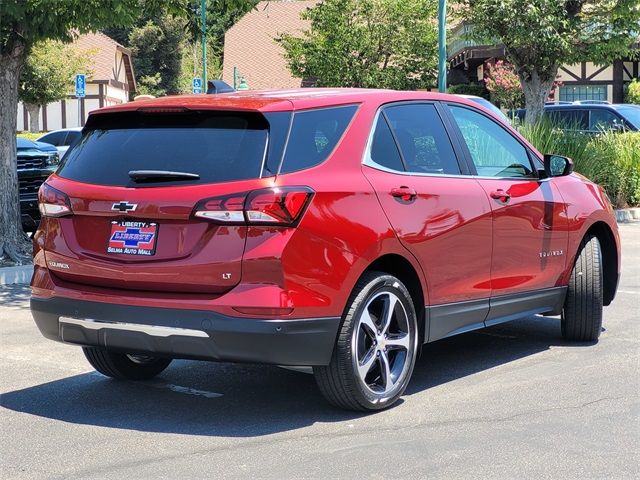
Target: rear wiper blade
[161,175]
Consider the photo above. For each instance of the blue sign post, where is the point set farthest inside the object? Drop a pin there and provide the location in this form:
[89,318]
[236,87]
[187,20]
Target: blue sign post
[81,83]
[197,85]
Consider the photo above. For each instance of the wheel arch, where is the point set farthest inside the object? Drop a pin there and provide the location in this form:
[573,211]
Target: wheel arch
[401,268]
[609,249]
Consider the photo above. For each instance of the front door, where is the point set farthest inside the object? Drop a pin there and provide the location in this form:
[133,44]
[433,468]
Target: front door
[441,216]
[529,222]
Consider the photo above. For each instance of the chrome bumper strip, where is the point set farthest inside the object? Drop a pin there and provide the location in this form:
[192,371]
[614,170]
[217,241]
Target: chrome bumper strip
[153,330]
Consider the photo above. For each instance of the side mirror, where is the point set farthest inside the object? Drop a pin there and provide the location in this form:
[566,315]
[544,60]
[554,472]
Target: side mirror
[557,165]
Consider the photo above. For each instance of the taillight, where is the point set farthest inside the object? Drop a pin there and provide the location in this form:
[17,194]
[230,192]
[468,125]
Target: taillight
[228,209]
[277,206]
[53,203]
[282,206]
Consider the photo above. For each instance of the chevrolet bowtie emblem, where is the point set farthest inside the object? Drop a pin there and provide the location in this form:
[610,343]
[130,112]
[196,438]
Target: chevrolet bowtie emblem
[124,207]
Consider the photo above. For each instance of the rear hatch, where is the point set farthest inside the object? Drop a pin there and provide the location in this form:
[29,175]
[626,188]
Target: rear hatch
[132,184]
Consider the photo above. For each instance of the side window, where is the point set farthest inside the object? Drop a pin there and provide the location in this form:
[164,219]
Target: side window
[422,138]
[54,138]
[384,151]
[314,134]
[72,137]
[494,151]
[600,119]
[570,119]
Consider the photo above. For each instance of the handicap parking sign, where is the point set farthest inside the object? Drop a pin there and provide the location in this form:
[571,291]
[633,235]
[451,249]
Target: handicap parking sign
[197,85]
[81,82]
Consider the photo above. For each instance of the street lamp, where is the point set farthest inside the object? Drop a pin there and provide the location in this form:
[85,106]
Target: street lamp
[442,46]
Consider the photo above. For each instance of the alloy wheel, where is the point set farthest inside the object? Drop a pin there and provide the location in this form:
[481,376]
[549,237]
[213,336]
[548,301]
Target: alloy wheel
[382,344]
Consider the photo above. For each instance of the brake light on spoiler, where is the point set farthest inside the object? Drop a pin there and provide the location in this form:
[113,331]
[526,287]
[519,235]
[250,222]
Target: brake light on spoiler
[280,206]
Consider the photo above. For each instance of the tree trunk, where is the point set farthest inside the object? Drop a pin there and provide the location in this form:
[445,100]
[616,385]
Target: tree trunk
[536,91]
[14,244]
[34,116]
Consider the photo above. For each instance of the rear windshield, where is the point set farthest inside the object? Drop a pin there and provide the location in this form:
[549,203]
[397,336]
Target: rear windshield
[217,146]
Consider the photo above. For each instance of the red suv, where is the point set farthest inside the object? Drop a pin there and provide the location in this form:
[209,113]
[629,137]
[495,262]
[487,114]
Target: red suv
[338,229]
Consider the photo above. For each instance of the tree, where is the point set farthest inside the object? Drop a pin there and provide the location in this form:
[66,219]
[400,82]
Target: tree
[23,23]
[503,83]
[164,58]
[48,75]
[633,92]
[157,48]
[367,43]
[541,35]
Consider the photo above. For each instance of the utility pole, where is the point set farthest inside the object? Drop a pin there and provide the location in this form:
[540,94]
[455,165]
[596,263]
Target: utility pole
[203,29]
[442,46]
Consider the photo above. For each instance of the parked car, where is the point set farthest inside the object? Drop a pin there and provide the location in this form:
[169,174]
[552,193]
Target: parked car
[62,139]
[35,162]
[487,104]
[592,117]
[337,229]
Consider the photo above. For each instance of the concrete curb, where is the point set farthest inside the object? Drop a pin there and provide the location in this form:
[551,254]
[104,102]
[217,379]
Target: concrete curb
[15,275]
[627,215]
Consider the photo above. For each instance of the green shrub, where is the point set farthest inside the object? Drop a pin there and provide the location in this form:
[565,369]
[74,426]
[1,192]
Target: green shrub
[610,159]
[615,164]
[30,135]
[469,89]
[633,92]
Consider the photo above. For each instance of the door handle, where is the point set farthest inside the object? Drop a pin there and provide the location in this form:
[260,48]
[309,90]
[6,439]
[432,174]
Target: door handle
[500,195]
[406,194]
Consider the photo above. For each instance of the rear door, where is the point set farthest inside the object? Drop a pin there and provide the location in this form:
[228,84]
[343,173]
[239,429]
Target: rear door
[439,214]
[529,221]
[141,233]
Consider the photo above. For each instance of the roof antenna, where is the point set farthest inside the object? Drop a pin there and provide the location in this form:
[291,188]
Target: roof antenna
[218,86]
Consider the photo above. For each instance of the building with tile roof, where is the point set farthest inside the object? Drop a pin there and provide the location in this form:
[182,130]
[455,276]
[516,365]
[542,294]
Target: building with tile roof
[111,81]
[250,48]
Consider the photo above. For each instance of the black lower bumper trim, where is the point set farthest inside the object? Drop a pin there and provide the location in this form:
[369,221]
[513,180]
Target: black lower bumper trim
[135,329]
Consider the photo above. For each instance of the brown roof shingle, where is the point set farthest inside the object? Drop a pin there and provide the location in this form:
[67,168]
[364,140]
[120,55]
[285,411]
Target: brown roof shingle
[103,56]
[250,44]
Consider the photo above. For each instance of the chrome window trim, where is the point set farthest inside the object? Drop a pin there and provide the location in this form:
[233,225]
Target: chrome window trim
[368,161]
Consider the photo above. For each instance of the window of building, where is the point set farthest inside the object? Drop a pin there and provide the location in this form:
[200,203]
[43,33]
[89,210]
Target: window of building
[571,93]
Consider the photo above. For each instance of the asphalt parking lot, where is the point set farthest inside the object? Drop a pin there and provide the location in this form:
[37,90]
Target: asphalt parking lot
[512,401]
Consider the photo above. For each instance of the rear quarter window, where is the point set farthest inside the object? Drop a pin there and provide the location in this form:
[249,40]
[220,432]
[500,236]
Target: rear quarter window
[314,135]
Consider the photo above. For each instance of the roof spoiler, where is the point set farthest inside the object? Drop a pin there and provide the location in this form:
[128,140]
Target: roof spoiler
[218,86]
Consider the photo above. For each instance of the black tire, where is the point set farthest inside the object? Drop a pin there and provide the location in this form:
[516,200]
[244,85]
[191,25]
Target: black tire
[123,366]
[339,382]
[582,312]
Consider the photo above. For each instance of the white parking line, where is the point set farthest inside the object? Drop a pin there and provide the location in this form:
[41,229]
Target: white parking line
[629,292]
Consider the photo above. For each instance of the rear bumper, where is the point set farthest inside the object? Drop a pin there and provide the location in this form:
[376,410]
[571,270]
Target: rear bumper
[194,334]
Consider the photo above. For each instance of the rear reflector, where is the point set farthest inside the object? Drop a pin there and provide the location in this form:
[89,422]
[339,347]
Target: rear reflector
[53,203]
[282,206]
[263,311]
